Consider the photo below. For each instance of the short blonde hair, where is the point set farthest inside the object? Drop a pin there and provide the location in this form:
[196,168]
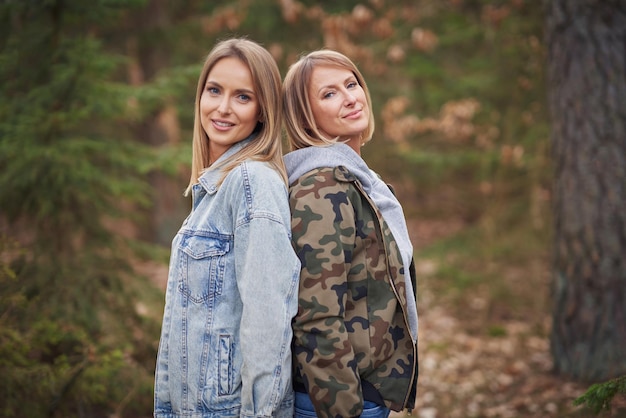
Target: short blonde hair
[266,146]
[301,128]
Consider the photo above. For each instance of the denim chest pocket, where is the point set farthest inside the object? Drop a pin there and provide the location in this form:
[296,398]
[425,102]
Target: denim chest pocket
[203,262]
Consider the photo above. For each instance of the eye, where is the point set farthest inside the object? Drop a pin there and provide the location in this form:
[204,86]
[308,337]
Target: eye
[328,94]
[351,84]
[212,90]
[244,97]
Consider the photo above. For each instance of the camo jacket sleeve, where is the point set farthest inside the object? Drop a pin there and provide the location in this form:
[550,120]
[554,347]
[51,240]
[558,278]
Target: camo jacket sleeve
[324,234]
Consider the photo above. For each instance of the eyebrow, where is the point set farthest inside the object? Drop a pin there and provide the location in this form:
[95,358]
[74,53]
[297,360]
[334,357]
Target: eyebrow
[350,77]
[215,83]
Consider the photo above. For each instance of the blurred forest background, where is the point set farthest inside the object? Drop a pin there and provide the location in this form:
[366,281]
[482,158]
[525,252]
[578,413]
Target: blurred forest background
[96,111]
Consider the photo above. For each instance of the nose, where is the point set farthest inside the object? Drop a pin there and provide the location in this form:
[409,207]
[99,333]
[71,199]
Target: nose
[224,107]
[349,99]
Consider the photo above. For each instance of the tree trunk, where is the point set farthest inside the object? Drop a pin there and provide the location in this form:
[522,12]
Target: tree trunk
[586,46]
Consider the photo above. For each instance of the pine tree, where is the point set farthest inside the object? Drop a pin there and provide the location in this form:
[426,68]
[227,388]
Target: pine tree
[69,337]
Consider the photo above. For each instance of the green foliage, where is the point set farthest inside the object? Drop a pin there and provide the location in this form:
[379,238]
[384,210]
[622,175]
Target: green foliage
[598,396]
[265,19]
[69,168]
[497,331]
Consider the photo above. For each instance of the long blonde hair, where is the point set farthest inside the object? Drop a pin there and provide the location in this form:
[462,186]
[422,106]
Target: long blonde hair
[301,128]
[266,146]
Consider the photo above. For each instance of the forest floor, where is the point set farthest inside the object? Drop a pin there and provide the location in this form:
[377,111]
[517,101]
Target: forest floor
[470,368]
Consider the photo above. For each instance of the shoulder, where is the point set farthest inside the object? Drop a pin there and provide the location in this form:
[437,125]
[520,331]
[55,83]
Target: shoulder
[258,191]
[255,167]
[254,174]
[323,182]
[325,176]
[324,186]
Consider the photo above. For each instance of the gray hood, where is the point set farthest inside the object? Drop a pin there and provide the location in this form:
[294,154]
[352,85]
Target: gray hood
[304,160]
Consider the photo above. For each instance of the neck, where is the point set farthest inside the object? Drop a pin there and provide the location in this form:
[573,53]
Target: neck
[355,144]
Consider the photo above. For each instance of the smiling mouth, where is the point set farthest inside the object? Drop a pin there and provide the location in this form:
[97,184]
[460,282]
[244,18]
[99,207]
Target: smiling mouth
[353,114]
[223,124]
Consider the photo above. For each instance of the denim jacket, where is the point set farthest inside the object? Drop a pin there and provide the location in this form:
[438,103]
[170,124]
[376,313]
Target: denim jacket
[231,295]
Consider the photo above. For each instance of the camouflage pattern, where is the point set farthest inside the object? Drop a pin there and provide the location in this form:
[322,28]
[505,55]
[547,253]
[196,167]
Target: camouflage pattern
[351,324]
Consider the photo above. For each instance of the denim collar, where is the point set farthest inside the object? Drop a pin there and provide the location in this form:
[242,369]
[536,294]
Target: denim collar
[211,176]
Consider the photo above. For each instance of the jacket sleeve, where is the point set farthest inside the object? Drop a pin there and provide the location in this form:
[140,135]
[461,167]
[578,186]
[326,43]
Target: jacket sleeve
[267,276]
[323,228]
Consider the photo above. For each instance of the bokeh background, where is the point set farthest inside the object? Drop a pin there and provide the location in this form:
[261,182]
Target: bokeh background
[96,113]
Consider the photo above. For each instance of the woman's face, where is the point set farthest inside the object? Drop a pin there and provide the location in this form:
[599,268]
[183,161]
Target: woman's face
[229,105]
[339,104]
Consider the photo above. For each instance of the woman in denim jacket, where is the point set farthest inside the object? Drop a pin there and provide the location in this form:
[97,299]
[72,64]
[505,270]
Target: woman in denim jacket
[233,276]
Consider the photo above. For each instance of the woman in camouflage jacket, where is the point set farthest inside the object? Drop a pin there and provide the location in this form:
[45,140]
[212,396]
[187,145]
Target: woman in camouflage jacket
[355,334]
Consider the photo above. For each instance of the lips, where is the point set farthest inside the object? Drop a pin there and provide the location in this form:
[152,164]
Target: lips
[222,124]
[354,114]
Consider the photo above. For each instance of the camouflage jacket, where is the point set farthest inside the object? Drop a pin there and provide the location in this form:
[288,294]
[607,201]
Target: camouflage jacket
[351,330]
